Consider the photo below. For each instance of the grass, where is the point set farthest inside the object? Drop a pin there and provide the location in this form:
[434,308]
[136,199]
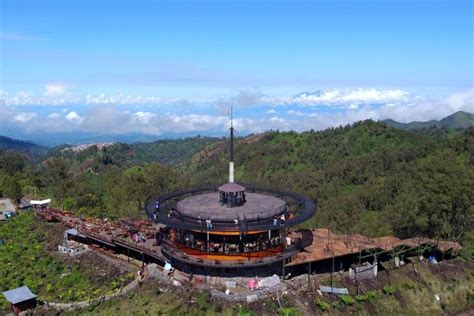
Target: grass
[408,293]
[29,257]
[149,300]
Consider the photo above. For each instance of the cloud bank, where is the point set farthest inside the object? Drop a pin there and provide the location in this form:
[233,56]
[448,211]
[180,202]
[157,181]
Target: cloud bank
[255,111]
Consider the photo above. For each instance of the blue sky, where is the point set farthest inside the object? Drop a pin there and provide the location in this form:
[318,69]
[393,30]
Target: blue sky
[196,57]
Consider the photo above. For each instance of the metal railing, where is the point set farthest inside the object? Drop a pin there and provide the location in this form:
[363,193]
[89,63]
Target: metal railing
[305,210]
[170,250]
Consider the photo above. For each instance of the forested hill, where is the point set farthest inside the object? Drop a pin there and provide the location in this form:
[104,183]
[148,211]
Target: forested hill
[167,152]
[29,149]
[371,178]
[458,120]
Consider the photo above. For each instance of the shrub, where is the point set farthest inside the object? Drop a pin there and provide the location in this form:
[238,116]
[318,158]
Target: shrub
[322,305]
[348,299]
[409,285]
[387,289]
[290,311]
[361,298]
[373,294]
[202,300]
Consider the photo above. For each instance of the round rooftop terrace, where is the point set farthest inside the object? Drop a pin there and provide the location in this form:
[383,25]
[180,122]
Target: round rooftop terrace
[257,206]
[273,201]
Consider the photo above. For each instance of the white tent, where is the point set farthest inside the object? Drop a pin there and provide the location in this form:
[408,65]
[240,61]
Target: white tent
[40,202]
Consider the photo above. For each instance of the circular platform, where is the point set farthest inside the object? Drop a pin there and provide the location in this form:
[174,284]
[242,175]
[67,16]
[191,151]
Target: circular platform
[207,206]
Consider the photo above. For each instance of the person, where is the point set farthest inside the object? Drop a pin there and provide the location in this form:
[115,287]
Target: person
[157,205]
[199,219]
[236,222]
[209,223]
[282,219]
[275,221]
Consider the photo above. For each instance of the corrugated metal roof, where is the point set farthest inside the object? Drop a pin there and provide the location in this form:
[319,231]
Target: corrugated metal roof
[18,295]
[335,290]
[72,231]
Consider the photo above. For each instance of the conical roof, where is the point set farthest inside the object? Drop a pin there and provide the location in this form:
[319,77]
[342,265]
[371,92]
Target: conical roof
[231,187]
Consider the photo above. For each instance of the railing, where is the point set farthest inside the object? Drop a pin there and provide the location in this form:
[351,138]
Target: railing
[306,209]
[169,250]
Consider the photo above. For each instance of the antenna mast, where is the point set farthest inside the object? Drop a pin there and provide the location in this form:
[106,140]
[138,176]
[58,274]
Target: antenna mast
[231,162]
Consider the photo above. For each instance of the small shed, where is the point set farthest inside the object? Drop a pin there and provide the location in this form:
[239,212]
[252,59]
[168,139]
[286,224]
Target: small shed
[21,299]
[24,203]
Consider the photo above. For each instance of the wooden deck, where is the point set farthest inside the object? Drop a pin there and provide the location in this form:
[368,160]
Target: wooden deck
[327,244]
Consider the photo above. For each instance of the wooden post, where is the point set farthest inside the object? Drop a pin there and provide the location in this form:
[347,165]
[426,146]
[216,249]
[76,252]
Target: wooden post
[332,271]
[309,276]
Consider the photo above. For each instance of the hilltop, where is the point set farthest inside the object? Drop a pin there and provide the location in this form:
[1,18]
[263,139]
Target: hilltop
[457,120]
[97,156]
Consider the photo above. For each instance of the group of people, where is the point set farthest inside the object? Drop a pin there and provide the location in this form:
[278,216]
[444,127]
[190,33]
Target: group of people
[232,199]
[243,247]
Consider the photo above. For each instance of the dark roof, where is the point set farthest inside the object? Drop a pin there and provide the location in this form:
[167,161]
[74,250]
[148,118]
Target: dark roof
[231,187]
[24,202]
[18,295]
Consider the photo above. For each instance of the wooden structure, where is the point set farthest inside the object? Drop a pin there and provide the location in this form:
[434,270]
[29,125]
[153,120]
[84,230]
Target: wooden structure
[227,229]
[21,299]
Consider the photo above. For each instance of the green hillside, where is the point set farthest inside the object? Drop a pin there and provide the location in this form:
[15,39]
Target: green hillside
[370,178]
[367,177]
[28,149]
[167,152]
[458,120]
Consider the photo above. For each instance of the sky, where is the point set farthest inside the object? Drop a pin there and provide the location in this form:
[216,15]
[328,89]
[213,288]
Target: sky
[164,68]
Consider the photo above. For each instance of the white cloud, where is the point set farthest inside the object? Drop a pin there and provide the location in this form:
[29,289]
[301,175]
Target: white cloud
[24,117]
[277,119]
[55,89]
[144,117]
[73,116]
[54,115]
[351,97]
[57,94]
[101,116]
[353,106]
[297,113]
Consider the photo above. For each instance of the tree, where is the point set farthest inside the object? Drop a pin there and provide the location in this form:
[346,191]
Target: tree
[11,163]
[11,188]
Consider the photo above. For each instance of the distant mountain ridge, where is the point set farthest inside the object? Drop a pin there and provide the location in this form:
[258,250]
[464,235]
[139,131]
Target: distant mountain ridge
[458,120]
[27,148]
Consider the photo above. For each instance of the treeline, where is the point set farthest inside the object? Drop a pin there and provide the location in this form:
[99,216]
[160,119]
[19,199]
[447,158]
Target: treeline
[370,178]
[167,152]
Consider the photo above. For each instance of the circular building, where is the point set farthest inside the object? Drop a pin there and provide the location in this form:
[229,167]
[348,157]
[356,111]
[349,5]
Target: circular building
[230,229]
